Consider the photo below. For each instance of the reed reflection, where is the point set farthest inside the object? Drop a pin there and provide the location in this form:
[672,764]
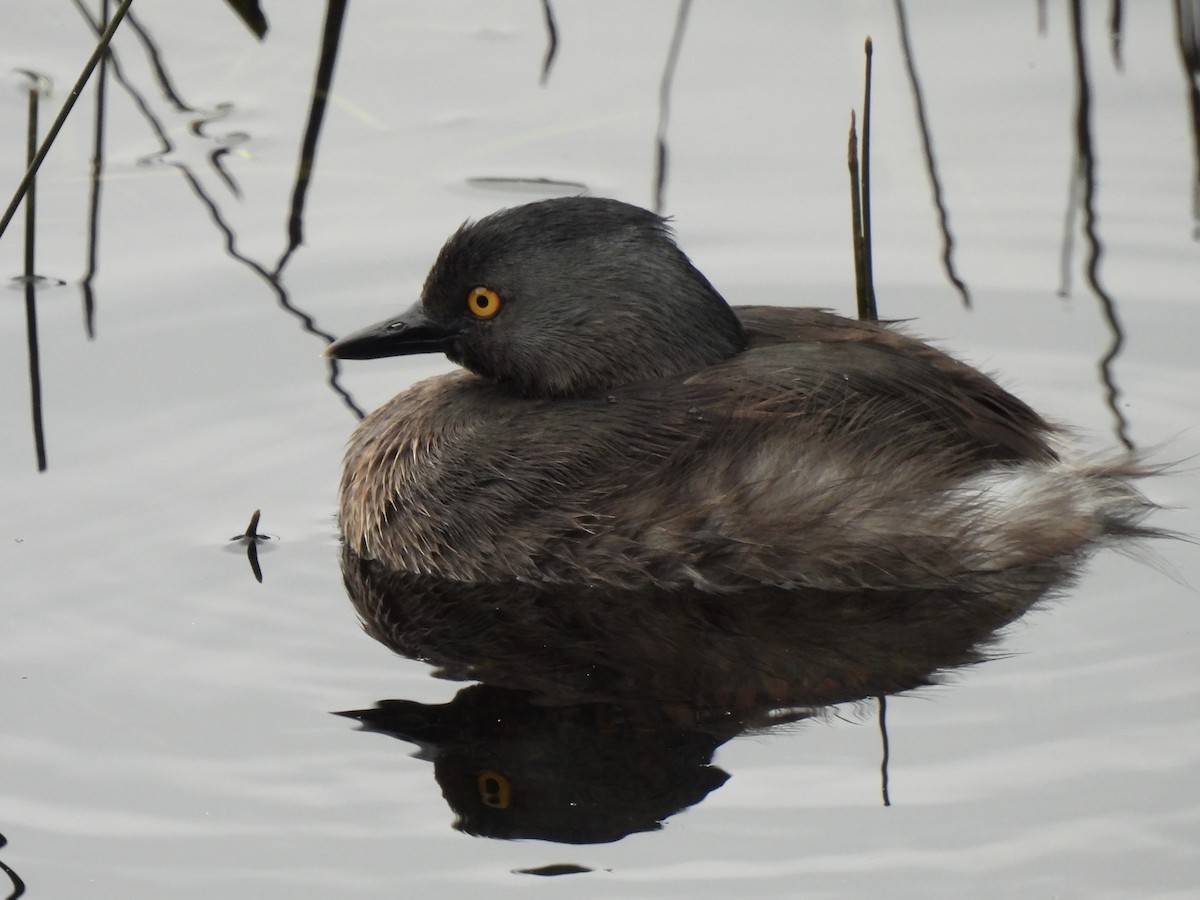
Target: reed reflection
[95,181]
[18,884]
[1083,192]
[937,195]
[270,274]
[1187,35]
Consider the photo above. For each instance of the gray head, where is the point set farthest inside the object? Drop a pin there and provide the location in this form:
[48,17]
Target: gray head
[562,298]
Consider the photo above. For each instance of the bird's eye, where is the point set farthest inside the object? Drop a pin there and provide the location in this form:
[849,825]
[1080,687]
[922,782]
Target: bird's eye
[494,789]
[483,302]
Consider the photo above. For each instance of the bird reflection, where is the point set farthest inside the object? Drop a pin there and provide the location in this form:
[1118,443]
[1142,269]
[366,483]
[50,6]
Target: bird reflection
[511,767]
[598,711]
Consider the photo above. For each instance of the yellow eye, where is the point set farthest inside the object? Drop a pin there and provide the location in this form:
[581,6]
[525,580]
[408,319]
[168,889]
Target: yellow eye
[483,302]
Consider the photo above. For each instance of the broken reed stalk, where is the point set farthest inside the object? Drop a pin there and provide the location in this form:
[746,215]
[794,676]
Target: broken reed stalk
[101,48]
[860,281]
[860,202]
[868,267]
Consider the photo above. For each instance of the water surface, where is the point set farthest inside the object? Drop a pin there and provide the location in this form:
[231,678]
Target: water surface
[167,727]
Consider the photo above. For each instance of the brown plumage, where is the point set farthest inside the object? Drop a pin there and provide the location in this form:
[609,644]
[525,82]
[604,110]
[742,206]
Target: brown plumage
[617,423]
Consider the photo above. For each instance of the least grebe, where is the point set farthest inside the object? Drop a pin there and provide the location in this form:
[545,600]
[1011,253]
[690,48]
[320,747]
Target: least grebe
[615,422]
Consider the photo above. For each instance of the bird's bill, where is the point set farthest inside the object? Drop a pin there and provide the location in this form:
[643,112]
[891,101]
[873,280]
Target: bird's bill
[406,334]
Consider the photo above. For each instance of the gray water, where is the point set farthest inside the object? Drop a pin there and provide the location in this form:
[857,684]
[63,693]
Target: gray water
[166,718]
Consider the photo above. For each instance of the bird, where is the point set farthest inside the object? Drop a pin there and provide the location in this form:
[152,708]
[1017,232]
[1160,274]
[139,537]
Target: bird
[613,422]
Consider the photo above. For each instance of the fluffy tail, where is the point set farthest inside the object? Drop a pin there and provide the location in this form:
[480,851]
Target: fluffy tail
[1062,508]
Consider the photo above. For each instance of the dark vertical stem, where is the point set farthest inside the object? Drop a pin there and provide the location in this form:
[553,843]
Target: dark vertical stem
[96,173]
[551,40]
[931,169]
[860,203]
[335,16]
[887,752]
[1083,145]
[1041,16]
[863,301]
[868,267]
[664,105]
[31,129]
[1187,33]
[1116,15]
[31,329]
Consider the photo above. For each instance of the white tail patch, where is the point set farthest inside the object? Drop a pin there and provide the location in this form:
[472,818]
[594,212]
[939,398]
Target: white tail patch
[1051,508]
